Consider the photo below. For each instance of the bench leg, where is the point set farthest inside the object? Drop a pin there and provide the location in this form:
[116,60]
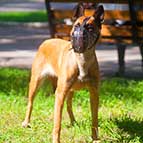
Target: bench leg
[141,51]
[121,54]
[50,18]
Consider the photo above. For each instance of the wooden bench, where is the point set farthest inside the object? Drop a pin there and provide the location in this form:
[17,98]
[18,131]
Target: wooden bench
[123,23]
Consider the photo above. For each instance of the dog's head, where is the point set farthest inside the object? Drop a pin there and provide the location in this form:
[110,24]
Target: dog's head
[86,29]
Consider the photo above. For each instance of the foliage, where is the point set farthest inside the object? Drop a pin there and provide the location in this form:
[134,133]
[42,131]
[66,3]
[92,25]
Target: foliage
[37,16]
[120,112]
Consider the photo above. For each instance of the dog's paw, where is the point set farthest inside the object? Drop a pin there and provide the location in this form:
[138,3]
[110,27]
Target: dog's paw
[26,125]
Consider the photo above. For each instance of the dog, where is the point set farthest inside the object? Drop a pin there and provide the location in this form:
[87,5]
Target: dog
[70,65]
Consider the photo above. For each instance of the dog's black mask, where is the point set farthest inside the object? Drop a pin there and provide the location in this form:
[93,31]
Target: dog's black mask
[83,37]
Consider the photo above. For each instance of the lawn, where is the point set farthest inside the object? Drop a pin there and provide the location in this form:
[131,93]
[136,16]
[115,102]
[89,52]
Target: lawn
[37,16]
[120,112]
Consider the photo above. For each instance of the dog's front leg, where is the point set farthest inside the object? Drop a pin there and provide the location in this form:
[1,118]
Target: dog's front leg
[61,92]
[94,101]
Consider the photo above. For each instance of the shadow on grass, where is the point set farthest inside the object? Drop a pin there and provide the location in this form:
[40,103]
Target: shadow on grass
[16,82]
[132,127]
[13,81]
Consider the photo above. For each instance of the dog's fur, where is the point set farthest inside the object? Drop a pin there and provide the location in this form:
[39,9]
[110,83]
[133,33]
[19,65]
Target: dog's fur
[68,71]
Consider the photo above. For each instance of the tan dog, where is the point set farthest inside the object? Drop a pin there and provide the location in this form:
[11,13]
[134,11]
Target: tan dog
[69,66]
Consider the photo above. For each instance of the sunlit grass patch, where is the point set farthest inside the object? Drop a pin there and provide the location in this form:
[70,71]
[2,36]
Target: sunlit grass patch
[36,16]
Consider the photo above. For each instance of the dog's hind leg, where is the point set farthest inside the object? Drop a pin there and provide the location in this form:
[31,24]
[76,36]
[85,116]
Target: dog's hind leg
[34,83]
[69,107]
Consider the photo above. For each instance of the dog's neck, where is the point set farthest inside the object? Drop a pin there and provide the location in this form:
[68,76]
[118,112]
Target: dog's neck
[84,61]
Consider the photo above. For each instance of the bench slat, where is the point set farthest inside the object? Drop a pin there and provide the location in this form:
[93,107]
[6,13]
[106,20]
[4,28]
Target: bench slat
[61,14]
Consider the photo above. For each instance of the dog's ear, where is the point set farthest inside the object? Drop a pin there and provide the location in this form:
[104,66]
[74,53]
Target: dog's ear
[78,11]
[99,13]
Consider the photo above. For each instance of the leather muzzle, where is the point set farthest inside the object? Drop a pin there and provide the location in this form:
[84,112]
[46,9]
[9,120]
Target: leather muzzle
[78,39]
[82,39]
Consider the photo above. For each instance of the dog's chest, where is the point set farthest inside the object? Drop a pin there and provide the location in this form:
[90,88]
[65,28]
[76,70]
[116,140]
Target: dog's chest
[84,63]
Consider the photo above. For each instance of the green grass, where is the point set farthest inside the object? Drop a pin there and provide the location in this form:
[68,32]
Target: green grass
[120,112]
[37,16]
